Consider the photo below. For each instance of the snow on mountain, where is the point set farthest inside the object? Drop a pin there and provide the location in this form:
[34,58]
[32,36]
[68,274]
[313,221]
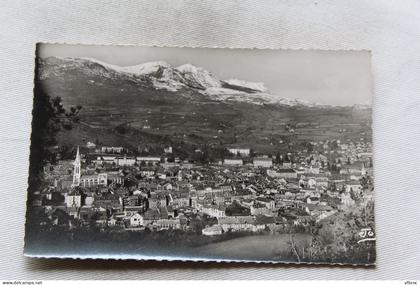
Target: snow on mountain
[198,77]
[259,98]
[258,86]
[163,76]
[147,68]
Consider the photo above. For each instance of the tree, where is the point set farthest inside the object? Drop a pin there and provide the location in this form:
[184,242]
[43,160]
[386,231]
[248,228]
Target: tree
[236,209]
[48,118]
[278,158]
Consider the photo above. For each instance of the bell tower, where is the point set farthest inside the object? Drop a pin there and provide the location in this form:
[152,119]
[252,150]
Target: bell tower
[76,169]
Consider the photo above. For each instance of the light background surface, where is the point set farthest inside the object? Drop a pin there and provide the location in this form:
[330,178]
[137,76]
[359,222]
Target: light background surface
[391,29]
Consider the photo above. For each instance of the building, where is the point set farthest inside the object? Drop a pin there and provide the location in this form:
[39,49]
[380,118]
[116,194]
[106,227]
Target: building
[125,161]
[357,168]
[263,222]
[115,177]
[151,160]
[212,231]
[269,203]
[260,209]
[263,162]
[112,149]
[241,151]
[237,224]
[147,171]
[346,200]
[167,224]
[73,200]
[86,180]
[105,159]
[90,145]
[94,180]
[77,164]
[353,186]
[282,173]
[136,220]
[233,161]
[214,211]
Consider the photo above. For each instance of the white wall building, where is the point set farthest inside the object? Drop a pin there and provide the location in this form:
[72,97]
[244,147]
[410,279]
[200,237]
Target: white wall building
[241,151]
[233,162]
[263,162]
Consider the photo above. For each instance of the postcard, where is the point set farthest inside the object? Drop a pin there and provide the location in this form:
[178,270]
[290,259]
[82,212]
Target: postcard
[201,154]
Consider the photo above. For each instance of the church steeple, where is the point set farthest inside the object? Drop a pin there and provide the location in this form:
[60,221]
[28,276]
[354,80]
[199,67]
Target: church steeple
[77,169]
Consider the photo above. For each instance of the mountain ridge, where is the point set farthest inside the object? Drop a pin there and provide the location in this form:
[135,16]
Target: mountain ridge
[161,75]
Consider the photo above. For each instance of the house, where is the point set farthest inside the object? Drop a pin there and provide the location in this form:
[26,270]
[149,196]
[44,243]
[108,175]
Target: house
[136,220]
[236,224]
[108,201]
[112,149]
[214,211]
[148,160]
[367,196]
[90,145]
[267,202]
[151,216]
[104,159]
[241,151]
[94,180]
[125,161]
[233,161]
[212,231]
[346,200]
[311,183]
[312,200]
[260,209]
[147,171]
[285,205]
[319,211]
[89,199]
[86,213]
[115,221]
[312,170]
[282,173]
[134,200]
[100,217]
[167,186]
[107,159]
[353,186]
[225,188]
[247,202]
[357,168]
[263,162]
[181,199]
[115,177]
[167,224]
[158,199]
[240,194]
[263,222]
[321,181]
[73,199]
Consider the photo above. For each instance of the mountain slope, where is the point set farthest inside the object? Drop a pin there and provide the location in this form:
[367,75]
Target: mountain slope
[155,102]
[162,76]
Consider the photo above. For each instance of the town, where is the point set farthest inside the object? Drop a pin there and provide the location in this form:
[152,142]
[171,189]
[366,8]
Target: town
[108,187]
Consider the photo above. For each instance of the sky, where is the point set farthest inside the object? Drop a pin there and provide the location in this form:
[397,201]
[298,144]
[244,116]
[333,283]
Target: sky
[326,77]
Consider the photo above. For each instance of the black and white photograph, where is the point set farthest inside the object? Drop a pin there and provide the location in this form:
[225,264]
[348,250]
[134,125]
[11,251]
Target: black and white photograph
[201,154]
